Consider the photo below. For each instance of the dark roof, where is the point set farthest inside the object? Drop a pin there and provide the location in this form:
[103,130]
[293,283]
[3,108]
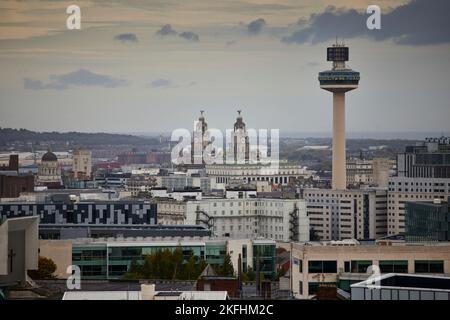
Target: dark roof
[168,293]
[49,156]
[219,278]
[422,282]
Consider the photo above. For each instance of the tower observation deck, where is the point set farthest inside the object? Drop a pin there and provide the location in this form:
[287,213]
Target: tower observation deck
[338,80]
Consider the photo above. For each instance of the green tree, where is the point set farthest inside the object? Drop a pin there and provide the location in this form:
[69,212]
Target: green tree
[190,268]
[166,264]
[135,271]
[227,268]
[250,274]
[178,262]
[201,265]
[46,269]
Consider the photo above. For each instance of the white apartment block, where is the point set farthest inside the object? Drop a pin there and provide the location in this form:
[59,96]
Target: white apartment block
[238,218]
[248,173]
[347,214]
[341,265]
[403,189]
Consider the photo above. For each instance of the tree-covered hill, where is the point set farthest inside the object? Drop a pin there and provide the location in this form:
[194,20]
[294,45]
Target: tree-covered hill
[9,136]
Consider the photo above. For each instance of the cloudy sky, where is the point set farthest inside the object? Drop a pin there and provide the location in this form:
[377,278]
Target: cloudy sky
[151,65]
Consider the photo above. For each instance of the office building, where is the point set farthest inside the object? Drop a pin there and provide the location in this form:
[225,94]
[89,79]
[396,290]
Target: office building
[89,212]
[343,264]
[112,180]
[423,175]
[346,214]
[181,181]
[427,222]
[111,258]
[427,159]
[86,230]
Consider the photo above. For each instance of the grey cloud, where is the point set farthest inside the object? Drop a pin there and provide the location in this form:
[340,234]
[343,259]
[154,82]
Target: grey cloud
[165,83]
[126,37]
[166,30]
[190,36]
[79,78]
[419,22]
[160,83]
[31,84]
[256,26]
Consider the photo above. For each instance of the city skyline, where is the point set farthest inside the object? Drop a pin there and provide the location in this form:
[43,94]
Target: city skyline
[138,70]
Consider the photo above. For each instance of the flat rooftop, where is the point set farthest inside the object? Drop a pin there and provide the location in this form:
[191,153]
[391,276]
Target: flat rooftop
[408,281]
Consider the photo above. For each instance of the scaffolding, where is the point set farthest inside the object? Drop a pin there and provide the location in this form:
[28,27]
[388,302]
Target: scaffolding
[293,224]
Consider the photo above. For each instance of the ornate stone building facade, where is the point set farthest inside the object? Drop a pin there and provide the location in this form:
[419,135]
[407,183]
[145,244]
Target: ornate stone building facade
[49,171]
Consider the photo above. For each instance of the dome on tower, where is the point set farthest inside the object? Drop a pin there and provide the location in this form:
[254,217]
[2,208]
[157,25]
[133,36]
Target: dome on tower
[202,125]
[49,156]
[239,124]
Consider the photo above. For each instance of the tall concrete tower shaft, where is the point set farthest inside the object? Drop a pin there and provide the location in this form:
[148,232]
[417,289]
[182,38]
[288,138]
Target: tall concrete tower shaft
[338,80]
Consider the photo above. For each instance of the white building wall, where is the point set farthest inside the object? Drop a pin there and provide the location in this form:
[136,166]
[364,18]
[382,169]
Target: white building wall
[403,189]
[250,218]
[340,214]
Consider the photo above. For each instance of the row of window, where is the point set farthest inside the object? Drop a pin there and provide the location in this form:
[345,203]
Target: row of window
[386,266]
[261,204]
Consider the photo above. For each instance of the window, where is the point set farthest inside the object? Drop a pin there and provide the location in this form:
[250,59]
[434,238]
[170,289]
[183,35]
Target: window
[329,266]
[322,266]
[360,266]
[346,266]
[397,266]
[429,266]
[312,288]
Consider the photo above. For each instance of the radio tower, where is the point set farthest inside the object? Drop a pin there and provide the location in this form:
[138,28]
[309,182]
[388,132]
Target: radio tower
[338,80]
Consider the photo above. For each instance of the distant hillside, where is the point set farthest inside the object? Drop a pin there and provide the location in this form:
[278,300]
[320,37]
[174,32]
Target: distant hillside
[10,136]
